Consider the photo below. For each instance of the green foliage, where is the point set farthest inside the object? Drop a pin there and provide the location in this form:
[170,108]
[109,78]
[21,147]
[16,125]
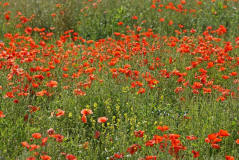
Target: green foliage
[99,19]
[143,45]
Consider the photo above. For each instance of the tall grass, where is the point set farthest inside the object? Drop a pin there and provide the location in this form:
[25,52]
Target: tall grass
[99,19]
[139,64]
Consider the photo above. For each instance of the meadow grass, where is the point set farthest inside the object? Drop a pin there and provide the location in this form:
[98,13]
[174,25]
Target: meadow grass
[156,71]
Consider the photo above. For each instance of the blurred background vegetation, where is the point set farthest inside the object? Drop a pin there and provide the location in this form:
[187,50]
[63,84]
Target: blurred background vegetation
[96,19]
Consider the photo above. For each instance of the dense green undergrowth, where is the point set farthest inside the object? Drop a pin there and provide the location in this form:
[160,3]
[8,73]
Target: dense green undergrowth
[119,79]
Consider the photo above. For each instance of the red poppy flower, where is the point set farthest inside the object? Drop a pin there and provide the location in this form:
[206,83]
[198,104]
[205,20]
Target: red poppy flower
[210,64]
[28,30]
[52,84]
[150,157]
[163,128]
[25,144]
[215,146]
[170,23]
[60,113]
[195,154]
[119,155]
[237,141]
[191,138]
[161,19]
[229,157]
[71,157]
[102,119]
[207,90]
[45,157]
[33,108]
[58,137]
[44,140]
[7,16]
[41,93]
[139,133]
[133,148]
[212,136]
[6,4]
[50,131]
[120,23]
[135,17]
[141,91]
[197,85]
[174,136]
[36,135]
[225,77]
[86,111]
[97,134]
[116,33]
[223,133]
[79,92]
[84,119]
[10,95]
[1,114]
[33,147]
[150,143]
[233,73]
